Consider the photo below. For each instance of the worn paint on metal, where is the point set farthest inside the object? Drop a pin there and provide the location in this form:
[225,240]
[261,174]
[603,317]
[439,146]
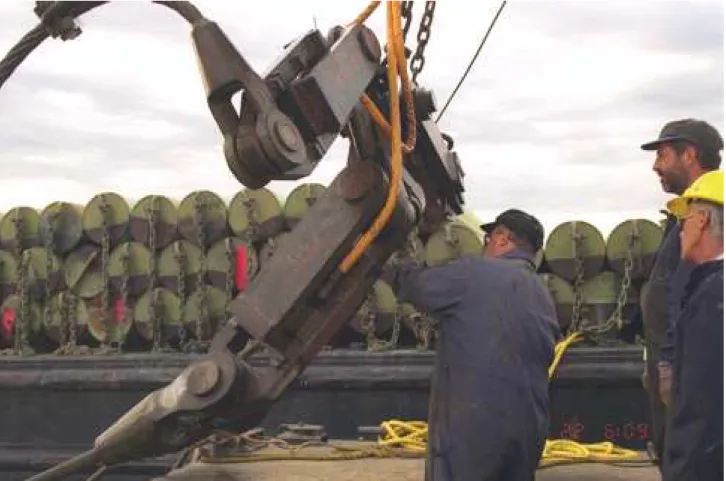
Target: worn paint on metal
[220,263]
[211,217]
[137,269]
[168,310]
[563,296]
[300,200]
[116,218]
[642,237]
[179,254]
[453,240]
[65,221]
[37,260]
[256,214]
[560,249]
[30,220]
[54,324]
[82,271]
[216,309]
[165,227]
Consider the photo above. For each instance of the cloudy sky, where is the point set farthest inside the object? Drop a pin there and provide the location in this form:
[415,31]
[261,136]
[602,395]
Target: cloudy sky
[549,120]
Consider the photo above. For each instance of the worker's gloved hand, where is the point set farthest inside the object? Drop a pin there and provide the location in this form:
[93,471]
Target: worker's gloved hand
[664,382]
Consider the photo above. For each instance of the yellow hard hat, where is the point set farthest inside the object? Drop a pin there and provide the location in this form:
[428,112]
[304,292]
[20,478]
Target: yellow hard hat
[708,187]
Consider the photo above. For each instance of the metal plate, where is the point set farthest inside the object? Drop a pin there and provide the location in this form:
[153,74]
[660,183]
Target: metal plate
[116,218]
[560,249]
[169,311]
[82,271]
[184,255]
[300,200]
[66,222]
[221,264]
[256,214]
[30,219]
[212,216]
[165,227]
[646,238]
[453,240]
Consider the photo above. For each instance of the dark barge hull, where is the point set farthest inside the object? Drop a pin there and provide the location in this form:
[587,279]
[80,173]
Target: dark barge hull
[52,407]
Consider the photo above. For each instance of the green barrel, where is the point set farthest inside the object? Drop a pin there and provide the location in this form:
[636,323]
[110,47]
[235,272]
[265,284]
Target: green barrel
[300,200]
[636,239]
[8,274]
[112,326]
[68,318]
[65,221]
[268,249]
[382,305]
[452,240]
[130,263]
[10,315]
[563,296]
[216,312]
[22,222]
[160,211]
[256,214]
[82,271]
[599,300]
[107,209]
[221,262]
[37,261]
[561,252]
[203,218]
[179,260]
[167,311]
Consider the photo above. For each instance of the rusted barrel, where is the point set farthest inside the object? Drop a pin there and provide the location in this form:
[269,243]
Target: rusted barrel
[110,326]
[106,212]
[129,267]
[160,321]
[231,263]
[203,218]
[203,325]
[600,297]
[268,249]
[61,226]
[634,243]
[571,243]
[20,228]
[378,312]
[82,271]
[8,274]
[255,215]
[41,271]
[157,211]
[453,240]
[180,261]
[300,200]
[563,296]
[67,319]
[30,318]
[421,326]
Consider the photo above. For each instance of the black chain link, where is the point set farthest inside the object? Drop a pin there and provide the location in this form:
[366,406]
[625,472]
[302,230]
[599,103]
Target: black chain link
[424,34]
[577,242]
[181,260]
[104,208]
[406,15]
[156,320]
[200,211]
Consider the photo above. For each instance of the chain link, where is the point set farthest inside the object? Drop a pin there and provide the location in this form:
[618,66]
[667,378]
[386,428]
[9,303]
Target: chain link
[125,310]
[577,242]
[104,208]
[20,338]
[231,261]
[200,208]
[253,223]
[406,15]
[424,34]
[49,268]
[153,314]
[181,259]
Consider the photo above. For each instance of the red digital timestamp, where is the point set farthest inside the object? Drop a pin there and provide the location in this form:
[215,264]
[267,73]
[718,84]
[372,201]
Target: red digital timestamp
[631,431]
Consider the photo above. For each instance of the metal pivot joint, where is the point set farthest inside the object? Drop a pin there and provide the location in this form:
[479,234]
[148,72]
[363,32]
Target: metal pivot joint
[288,120]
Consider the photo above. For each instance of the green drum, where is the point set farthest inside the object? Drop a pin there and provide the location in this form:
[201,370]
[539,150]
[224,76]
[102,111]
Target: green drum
[65,222]
[110,326]
[573,242]
[8,274]
[166,311]
[129,268]
[106,212]
[82,271]
[634,243]
[300,200]
[159,212]
[221,263]
[36,264]
[215,302]
[68,319]
[20,229]
[269,248]
[600,301]
[563,297]
[178,267]
[380,309]
[255,215]
[31,321]
[203,218]
[453,240]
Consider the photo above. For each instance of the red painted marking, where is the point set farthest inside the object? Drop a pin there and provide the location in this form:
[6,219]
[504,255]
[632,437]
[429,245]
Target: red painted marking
[8,322]
[120,311]
[241,276]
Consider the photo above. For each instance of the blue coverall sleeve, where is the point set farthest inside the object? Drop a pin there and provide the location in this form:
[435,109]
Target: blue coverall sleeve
[432,289]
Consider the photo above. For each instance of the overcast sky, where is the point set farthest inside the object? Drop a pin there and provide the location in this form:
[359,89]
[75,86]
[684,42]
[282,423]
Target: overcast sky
[550,119]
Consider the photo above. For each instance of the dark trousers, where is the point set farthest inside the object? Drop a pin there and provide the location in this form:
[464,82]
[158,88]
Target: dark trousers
[657,408]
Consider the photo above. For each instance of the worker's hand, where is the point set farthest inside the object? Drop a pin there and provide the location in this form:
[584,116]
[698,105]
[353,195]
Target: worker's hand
[645,379]
[664,382]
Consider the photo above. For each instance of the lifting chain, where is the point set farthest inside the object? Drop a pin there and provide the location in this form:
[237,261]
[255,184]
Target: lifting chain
[105,252]
[577,242]
[424,34]
[181,261]
[406,15]
[231,265]
[253,224]
[49,269]
[126,314]
[200,210]
[154,314]
[424,328]
[22,321]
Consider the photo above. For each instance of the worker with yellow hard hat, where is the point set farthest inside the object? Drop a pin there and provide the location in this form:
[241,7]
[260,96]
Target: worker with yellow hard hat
[694,445]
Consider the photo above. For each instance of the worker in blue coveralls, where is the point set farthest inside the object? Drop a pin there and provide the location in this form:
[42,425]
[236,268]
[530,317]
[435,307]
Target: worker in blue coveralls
[694,444]
[489,408]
